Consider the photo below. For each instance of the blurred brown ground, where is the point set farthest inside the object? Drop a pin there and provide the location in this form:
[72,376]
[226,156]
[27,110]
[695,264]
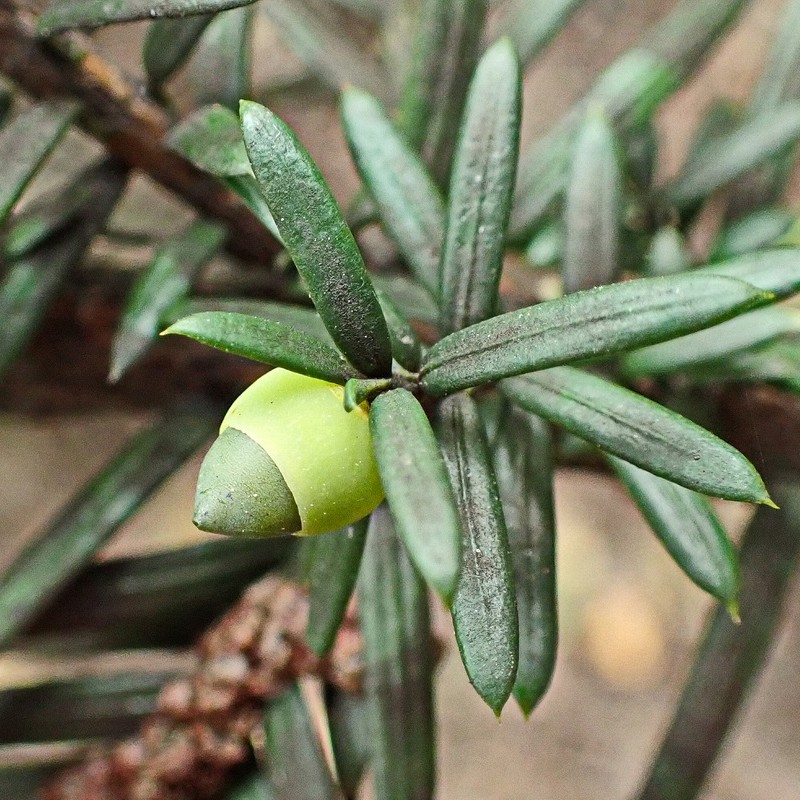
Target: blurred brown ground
[629,619]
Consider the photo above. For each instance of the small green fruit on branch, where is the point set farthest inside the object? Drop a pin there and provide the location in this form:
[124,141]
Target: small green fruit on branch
[289,459]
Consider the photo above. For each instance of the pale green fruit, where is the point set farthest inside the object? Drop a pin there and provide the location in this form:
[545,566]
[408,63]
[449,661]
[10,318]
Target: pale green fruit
[289,459]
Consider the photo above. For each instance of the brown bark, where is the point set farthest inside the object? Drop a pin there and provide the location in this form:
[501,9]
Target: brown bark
[65,367]
[129,126]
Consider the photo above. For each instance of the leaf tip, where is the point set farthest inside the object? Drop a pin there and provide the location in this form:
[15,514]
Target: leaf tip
[768,501]
[732,607]
[114,373]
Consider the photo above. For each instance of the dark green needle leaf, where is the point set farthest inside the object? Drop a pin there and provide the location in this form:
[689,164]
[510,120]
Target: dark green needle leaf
[399,656]
[102,706]
[25,143]
[211,138]
[409,202]
[638,430]
[97,512]
[296,765]
[169,43]
[318,240]
[484,605]
[445,50]
[267,342]
[726,158]
[32,282]
[300,317]
[161,600]
[688,527]
[481,188]
[533,24]
[590,324]
[776,271]
[593,208]
[220,70]
[333,568]
[713,344]
[523,463]
[167,279]
[417,488]
[65,15]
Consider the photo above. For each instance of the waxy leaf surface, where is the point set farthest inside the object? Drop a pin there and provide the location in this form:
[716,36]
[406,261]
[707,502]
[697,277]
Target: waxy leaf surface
[318,240]
[417,488]
[638,430]
[267,342]
[591,324]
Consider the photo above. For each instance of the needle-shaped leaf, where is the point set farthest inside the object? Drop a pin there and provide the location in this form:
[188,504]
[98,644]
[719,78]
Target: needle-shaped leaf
[481,188]
[267,342]
[628,91]
[220,71]
[303,319]
[756,231]
[399,656]
[322,38]
[593,208]
[97,512]
[721,119]
[779,81]
[25,143]
[713,344]
[409,202]
[445,51]
[685,35]
[484,605]
[42,219]
[533,24]
[101,706]
[523,463]
[169,43]
[546,248]
[778,363]
[688,527]
[406,347]
[668,253]
[333,568]
[296,765]
[65,15]
[166,280]
[725,159]
[211,138]
[776,271]
[161,600]
[590,324]
[638,430]
[637,81]
[417,488]
[351,739]
[414,301]
[318,240]
[32,282]
[254,787]
[731,654]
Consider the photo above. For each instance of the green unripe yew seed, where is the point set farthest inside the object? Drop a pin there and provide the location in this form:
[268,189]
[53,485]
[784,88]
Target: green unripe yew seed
[289,459]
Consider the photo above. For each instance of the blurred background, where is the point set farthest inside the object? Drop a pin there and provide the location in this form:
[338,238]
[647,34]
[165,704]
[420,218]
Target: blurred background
[629,619]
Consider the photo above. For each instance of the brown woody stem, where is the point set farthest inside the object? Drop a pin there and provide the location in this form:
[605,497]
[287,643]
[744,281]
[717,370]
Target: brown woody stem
[130,126]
